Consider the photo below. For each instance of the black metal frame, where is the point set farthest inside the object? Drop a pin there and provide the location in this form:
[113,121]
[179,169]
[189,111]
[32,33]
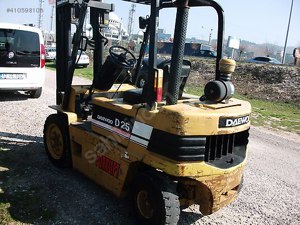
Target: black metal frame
[177,54]
[65,59]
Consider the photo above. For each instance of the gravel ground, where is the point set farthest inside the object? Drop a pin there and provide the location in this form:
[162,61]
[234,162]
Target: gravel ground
[38,193]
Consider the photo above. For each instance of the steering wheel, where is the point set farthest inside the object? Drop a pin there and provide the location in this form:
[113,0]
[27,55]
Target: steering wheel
[122,56]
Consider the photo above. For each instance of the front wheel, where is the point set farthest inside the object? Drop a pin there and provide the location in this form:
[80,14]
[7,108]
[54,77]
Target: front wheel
[155,199]
[57,141]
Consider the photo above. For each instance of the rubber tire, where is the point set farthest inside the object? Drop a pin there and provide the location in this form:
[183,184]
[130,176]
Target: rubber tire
[36,93]
[59,121]
[163,195]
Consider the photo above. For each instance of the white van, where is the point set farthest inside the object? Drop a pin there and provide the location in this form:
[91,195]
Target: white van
[22,59]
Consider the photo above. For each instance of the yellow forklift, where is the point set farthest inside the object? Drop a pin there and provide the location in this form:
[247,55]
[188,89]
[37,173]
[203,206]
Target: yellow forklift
[164,148]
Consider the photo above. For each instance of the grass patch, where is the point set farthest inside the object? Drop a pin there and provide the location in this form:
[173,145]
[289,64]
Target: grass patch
[85,72]
[5,217]
[50,66]
[80,71]
[283,116]
[194,90]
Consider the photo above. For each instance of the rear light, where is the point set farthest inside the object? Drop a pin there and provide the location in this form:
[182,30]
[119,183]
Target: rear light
[42,56]
[158,84]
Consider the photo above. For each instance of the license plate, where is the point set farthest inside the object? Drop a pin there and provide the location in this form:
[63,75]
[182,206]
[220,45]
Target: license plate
[12,76]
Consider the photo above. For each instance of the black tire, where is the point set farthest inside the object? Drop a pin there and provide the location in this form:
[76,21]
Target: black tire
[36,93]
[57,141]
[155,199]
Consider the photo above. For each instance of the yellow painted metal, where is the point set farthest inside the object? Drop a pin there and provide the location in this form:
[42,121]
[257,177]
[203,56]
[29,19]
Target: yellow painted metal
[84,89]
[213,187]
[207,185]
[88,147]
[227,66]
[119,106]
[196,118]
[71,107]
[72,117]
[213,192]
[55,141]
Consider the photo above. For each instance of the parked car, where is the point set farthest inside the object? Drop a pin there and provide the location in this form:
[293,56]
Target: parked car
[50,53]
[22,59]
[207,53]
[263,60]
[83,61]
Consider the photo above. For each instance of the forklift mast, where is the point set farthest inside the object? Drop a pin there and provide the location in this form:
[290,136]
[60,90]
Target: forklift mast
[74,11]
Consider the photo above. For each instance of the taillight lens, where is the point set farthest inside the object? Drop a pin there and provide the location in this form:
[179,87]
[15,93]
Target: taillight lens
[42,56]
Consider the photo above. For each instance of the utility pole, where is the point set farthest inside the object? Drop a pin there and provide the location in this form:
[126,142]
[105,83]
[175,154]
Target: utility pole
[209,39]
[131,20]
[209,35]
[52,18]
[120,30]
[41,15]
[287,34]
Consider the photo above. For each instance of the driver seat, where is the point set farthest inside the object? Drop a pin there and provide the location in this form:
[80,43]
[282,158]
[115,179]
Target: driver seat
[136,96]
[107,75]
[114,69]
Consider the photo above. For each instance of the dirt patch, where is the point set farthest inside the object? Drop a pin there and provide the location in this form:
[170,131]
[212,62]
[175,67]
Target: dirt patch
[268,82]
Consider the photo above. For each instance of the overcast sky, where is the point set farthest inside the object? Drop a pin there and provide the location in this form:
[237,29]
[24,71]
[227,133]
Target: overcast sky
[260,21]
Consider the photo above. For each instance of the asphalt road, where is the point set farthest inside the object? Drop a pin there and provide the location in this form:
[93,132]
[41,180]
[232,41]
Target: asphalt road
[271,192]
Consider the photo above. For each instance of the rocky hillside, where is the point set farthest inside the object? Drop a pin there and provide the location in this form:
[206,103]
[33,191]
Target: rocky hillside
[269,82]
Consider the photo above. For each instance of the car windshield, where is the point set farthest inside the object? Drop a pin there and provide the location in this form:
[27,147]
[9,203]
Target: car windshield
[263,59]
[213,53]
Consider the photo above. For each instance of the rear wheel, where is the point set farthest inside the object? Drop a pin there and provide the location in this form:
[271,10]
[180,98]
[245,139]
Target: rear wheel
[155,199]
[36,93]
[57,141]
